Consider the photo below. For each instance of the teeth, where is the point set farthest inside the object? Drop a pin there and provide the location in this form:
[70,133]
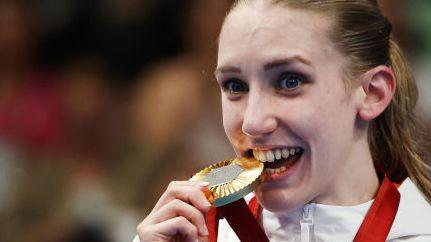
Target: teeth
[256,154]
[270,156]
[270,171]
[277,154]
[285,153]
[262,157]
[275,171]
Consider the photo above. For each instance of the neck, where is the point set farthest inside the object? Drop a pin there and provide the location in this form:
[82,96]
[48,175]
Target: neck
[357,183]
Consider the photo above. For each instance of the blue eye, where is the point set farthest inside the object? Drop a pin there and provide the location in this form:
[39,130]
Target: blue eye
[290,81]
[235,86]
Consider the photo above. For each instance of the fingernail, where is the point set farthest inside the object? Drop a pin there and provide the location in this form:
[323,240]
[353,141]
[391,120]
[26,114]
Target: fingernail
[203,183]
[207,203]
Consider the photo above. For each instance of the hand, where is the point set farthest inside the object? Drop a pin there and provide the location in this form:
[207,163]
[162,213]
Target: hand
[178,215]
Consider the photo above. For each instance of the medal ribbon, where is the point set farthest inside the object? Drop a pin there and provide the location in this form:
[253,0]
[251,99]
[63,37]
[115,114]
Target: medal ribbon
[240,219]
[381,215]
[243,220]
[239,216]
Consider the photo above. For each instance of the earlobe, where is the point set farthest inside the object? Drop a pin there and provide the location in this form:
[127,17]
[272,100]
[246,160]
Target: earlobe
[379,86]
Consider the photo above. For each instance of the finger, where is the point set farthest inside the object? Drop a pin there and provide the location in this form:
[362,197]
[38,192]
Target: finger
[189,192]
[203,239]
[169,229]
[177,208]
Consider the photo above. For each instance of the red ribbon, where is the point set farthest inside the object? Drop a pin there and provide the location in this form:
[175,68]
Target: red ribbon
[380,217]
[243,220]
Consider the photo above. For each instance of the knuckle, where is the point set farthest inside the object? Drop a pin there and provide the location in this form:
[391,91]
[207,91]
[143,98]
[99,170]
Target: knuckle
[141,226]
[183,220]
[197,193]
[199,217]
[177,204]
[173,184]
[193,230]
[146,221]
[172,188]
[143,230]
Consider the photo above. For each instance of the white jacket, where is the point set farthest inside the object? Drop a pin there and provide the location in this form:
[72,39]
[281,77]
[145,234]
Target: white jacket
[341,223]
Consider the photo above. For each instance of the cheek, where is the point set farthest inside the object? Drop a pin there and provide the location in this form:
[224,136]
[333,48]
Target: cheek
[329,113]
[299,118]
[330,133]
[232,121]
[323,121]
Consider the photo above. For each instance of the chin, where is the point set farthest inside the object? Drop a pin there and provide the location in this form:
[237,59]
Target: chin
[286,191]
[278,199]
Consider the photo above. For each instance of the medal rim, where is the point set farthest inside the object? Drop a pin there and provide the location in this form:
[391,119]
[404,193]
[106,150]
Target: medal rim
[243,191]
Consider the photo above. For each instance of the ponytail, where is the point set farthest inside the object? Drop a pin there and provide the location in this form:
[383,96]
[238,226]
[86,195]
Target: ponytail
[395,136]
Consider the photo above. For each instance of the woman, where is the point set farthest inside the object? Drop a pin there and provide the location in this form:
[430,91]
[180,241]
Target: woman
[319,92]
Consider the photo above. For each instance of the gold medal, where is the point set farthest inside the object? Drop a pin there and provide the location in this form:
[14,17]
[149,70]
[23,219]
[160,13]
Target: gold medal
[231,179]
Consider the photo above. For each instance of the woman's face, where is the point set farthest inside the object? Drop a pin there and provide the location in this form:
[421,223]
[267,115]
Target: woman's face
[284,101]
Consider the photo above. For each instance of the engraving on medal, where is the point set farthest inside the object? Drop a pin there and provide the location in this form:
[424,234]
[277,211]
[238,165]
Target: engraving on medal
[223,174]
[231,179]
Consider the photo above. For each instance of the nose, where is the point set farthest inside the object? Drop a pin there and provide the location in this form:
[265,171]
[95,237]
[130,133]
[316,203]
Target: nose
[259,119]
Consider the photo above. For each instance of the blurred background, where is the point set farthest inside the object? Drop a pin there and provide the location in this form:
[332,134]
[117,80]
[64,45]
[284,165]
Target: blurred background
[103,102]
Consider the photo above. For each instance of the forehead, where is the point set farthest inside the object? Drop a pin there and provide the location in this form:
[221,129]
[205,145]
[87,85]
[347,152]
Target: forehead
[262,29]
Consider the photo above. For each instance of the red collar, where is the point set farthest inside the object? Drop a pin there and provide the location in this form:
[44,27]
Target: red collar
[375,227]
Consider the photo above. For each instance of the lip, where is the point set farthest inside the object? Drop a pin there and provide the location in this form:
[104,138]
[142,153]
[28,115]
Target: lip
[264,177]
[271,147]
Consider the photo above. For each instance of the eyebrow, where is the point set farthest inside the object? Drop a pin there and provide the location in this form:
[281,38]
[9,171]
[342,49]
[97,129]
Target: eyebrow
[286,61]
[268,66]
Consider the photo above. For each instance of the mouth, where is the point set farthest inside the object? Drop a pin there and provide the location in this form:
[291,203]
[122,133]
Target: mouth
[278,162]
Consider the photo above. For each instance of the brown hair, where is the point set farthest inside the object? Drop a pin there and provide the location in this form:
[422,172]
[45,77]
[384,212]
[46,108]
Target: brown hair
[363,35]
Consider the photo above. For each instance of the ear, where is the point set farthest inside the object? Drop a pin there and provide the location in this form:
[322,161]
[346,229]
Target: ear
[379,86]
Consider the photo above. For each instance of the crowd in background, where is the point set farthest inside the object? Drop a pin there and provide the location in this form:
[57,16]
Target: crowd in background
[103,102]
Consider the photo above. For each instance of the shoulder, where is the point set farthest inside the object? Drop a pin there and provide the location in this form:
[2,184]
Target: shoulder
[413,216]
